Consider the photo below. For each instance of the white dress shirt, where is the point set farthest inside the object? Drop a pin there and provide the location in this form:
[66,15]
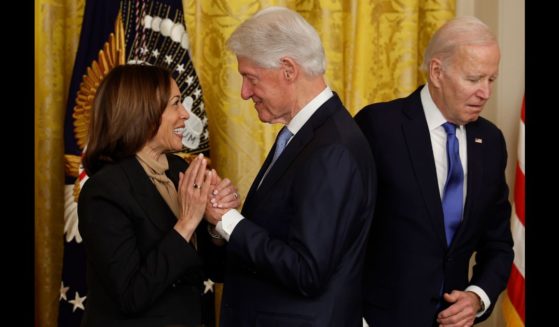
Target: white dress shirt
[435,120]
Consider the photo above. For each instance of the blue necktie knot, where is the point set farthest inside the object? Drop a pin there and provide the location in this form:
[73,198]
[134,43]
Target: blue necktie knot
[449,128]
[281,143]
[454,186]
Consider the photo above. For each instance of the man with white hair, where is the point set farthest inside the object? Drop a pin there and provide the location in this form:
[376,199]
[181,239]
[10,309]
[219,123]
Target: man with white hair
[295,252]
[442,190]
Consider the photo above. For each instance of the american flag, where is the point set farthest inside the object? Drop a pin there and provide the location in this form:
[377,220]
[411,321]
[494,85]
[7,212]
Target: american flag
[514,299]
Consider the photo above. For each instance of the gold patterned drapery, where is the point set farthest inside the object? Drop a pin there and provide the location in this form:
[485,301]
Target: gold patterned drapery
[373,50]
[57,28]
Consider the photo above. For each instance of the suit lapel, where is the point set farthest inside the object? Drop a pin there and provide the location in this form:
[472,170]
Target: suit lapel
[147,195]
[285,159]
[475,167]
[253,188]
[295,146]
[420,150]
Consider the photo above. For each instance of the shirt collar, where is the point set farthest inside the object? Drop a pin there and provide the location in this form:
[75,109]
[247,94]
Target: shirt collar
[308,110]
[433,115]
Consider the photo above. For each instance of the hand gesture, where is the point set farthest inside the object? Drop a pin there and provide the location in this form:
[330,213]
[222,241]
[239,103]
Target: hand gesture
[193,191]
[223,196]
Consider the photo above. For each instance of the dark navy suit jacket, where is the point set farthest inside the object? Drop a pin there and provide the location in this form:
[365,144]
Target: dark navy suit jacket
[408,258]
[297,258]
[140,271]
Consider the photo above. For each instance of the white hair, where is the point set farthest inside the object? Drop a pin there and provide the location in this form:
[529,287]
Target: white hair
[277,32]
[460,31]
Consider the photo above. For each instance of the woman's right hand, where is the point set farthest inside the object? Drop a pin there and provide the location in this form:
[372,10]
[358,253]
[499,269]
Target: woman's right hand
[223,196]
[194,187]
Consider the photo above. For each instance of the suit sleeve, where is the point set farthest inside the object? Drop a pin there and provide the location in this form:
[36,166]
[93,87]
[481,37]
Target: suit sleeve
[494,251]
[106,222]
[326,197]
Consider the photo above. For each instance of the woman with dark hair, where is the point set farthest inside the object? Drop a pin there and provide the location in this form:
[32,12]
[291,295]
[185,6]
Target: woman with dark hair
[140,208]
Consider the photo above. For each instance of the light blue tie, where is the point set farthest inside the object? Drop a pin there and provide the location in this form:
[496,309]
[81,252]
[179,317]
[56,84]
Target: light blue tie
[283,136]
[281,143]
[454,186]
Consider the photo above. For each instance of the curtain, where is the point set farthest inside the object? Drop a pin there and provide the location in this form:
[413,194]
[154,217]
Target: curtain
[373,50]
[57,28]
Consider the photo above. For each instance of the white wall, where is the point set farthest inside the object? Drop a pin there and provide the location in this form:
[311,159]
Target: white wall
[507,20]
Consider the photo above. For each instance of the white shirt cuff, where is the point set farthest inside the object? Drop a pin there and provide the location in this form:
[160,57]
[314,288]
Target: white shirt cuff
[228,223]
[482,295]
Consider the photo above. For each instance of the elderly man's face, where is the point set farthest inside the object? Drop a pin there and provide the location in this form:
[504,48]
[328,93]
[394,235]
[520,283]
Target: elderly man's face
[267,87]
[466,82]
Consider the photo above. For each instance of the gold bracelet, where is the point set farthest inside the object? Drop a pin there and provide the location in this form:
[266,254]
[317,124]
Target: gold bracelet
[212,233]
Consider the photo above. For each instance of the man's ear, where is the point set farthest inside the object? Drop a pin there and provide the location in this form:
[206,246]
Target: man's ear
[435,71]
[290,68]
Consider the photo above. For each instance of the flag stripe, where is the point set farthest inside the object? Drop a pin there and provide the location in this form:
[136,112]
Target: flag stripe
[512,319]
[514,300]
[519,207]
[518,235]
[521,153]
[516,292]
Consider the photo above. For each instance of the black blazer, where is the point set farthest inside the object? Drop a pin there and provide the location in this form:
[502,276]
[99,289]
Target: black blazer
[408,259]
[140,271]
[297,258]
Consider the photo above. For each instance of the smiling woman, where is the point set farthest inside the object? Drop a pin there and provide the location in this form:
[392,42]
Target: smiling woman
[141,206]
[169,134]
[127,114]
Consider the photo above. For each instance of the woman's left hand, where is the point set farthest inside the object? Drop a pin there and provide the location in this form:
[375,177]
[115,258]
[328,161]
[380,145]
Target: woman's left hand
[193,192]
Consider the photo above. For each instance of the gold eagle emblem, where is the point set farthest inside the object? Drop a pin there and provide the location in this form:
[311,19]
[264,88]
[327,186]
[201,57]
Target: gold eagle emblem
[111,55]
